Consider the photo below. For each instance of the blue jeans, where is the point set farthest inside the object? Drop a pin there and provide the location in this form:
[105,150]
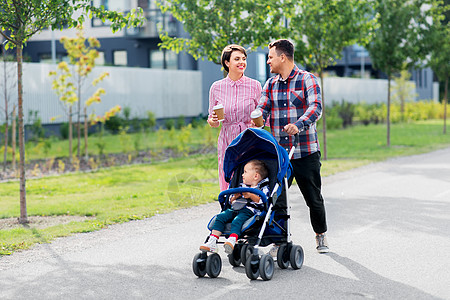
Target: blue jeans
[237,219]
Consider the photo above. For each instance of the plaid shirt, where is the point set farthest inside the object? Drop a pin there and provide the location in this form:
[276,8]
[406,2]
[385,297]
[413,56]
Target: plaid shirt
[297,100]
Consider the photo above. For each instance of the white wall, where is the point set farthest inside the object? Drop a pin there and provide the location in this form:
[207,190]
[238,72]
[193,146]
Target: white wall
[354,90]
[167,93]
[357,90]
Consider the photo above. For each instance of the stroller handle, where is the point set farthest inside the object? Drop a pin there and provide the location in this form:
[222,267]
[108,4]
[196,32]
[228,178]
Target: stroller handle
[223,194]
[296,142]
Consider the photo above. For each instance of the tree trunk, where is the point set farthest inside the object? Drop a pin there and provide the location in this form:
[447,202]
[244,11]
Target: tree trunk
[78,118]
[85,134]
[23,200]
[445,104]
[6,113]
[70,133]
[13,138]
[324,148]
[388,116]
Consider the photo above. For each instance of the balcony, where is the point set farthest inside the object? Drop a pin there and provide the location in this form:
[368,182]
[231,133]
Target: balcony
[154,18]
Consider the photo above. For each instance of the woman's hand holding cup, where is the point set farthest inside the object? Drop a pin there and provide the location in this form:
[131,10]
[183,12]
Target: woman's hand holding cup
[213,121]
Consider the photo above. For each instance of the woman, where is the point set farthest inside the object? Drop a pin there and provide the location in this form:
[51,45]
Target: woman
[239,95]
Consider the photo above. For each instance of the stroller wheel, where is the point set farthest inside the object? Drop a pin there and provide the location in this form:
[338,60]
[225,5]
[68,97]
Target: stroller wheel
[266,267]
[296,257]
[235,257]
[246,251]
[213,265]
[199,264]
[283,256]
[252,267]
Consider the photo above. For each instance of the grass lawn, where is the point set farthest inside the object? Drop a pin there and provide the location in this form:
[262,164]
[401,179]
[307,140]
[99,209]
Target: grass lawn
[125,193]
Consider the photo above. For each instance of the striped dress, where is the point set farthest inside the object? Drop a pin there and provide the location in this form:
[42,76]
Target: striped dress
[239,99]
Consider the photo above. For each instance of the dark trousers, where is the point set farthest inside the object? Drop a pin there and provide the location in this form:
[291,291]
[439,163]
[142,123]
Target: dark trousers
[306,171]
[237,219]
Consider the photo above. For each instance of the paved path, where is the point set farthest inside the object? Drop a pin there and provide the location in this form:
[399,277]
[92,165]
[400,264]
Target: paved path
[388,230]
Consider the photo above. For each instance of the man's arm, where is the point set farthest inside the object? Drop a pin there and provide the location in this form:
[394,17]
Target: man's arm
[264,102]
[313,97]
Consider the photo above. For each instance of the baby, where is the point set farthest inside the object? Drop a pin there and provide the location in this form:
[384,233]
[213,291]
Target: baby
[254,176]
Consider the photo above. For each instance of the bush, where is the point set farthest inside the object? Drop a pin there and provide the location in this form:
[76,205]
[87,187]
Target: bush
[169,124]
[151,120]
[198,122]
[114,124]
[346,111]
[126,111]
[180,122]
[64,131]
[333,120]
[362,113]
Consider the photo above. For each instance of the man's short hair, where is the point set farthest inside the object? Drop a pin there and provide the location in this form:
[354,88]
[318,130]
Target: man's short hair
[226,54]
[260,167]
[283,46]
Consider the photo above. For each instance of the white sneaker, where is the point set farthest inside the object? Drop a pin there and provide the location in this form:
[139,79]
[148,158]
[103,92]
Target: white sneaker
[210,246]
[229,245]
[274,251]
[322,243]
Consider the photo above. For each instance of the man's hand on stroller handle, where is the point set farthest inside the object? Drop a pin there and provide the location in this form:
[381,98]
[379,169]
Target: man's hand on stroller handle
[291,129]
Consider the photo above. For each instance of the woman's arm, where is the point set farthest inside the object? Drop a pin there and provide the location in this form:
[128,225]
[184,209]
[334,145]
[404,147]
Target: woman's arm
[213,120]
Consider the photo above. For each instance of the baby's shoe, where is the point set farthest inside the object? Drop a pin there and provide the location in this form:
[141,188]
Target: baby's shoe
[229,244]
[210,246]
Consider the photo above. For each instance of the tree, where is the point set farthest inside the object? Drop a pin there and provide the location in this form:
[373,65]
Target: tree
[7,68]
[213,24]
[395,40]
[438,42]
[321,29]
[21,19]
[402,90]
[69,84]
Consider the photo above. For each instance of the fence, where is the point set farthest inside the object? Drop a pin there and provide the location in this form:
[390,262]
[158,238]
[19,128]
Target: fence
[167,93]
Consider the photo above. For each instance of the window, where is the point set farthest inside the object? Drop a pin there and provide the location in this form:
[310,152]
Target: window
[157,59]
[419,78]
[171,60]
[425,78]
[163,59]
[262,68]
[120,58]
[100,60]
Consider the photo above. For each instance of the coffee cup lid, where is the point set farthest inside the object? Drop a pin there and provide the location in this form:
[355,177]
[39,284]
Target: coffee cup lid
[256,113]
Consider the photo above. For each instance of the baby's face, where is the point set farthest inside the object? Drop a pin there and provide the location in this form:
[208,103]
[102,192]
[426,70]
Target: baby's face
[250,177]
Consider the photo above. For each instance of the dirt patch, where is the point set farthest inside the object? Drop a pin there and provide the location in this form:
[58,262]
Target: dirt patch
[40,222]
[57,166]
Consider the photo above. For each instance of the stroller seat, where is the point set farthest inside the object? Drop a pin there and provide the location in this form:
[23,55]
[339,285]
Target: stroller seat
[251,227]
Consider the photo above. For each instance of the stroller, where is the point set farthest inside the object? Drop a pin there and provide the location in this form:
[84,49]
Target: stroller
[271,225]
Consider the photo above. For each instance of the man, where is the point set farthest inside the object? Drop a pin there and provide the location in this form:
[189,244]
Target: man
[293,101]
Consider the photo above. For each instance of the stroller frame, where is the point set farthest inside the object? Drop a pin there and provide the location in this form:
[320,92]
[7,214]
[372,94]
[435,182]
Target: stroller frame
[246,250]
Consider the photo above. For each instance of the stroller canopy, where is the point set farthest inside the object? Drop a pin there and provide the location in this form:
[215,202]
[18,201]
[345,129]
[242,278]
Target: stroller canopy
[251,144]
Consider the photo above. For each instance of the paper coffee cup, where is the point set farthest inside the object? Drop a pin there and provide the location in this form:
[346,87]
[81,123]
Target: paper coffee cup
[257,118]
[218,109]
